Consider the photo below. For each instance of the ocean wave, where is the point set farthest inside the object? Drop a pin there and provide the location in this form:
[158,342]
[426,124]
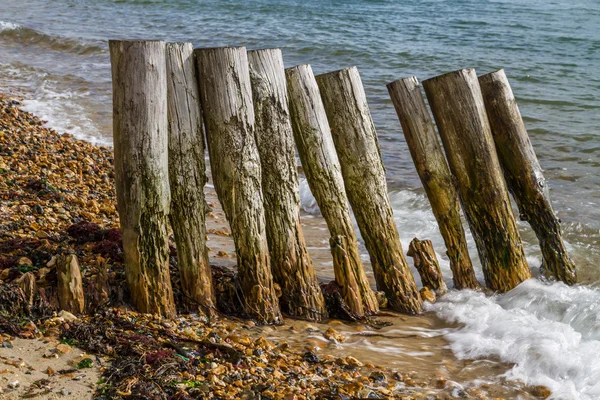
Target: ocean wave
[30,37]
[549,331]
[59,100]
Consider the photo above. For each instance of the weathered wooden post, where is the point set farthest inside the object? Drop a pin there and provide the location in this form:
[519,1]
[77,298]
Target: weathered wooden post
[459,112]
[435,176]
[187,174]
[141,169]
[524,176]
[70,284]
[291,264]
[427,264]
[319,160]
[226,97]
[357,148]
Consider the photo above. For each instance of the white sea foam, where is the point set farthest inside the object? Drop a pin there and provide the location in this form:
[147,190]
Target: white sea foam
[8,26]
[551,332]
[62,109]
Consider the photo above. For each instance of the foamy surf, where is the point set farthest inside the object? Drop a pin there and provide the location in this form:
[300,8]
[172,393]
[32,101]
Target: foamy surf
[549,331]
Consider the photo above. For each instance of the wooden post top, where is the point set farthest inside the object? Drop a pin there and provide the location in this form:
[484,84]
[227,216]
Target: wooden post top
[459,72]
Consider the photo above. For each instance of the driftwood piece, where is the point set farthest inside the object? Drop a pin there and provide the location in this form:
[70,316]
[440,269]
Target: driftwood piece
[355,141]
[524,176]
[70,285]
[141,170]
[27,284]
[226,97]
[427,264]
[97,292]
[321,166]
[291,264]
[187,174]
[459,112]
[429,160]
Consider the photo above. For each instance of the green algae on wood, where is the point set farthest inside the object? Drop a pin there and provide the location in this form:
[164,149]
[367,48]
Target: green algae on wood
[187,175]
[459,112]
[291,264]
[431,165]
[323,173]
[140,136]
[524,175]
[357,147]
[226,98]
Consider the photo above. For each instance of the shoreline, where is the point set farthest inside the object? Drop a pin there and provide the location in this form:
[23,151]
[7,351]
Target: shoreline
[51,182]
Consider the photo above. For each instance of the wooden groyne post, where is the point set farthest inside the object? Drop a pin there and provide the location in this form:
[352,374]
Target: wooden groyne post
[429,160]
[355,141]
[427,265]
[140,136]
[317,154]
[524,176]
[458,109]
[226,98]
[291,264]
[187,174]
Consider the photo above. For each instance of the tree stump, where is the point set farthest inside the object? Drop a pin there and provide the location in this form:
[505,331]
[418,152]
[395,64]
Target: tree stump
[140,136]
[459,112]
[321,166]
[363,172]
[187,174]
[429,160]
[427,264]
[226,97]
[70,286]
[524,176]
[291,264]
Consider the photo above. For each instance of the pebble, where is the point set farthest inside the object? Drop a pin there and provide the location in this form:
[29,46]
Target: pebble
[63,348]
[332,334]
[67,316]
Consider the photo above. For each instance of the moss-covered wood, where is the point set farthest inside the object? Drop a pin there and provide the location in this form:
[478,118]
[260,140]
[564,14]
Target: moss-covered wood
[459,113]
[429,160]
[226,98]
[187,175]
[140,137]
[321,166]
[427,264]
[291,264]
[356,144]
[524,176]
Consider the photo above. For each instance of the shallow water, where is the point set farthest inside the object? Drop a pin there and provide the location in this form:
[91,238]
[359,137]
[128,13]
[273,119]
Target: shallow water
[55,54]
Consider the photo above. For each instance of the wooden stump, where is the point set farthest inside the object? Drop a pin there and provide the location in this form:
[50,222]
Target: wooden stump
[459,112]
[70,286]
[291,264]
[27,284]
[357,148]
[226,96]
[435,176]
[187,174]
[426,263]
[320,163]
[524,176]
[140,136]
